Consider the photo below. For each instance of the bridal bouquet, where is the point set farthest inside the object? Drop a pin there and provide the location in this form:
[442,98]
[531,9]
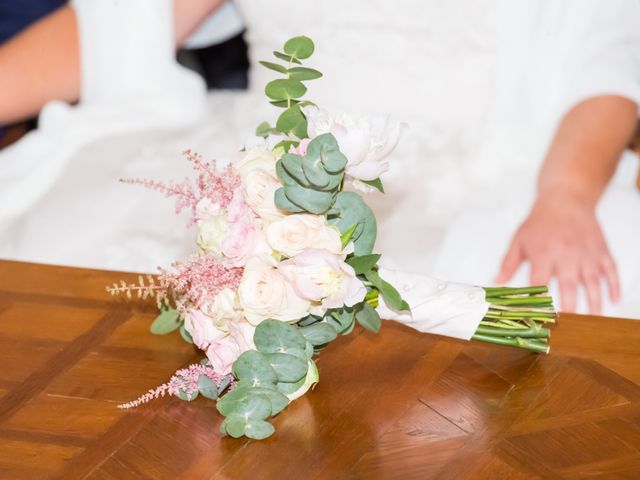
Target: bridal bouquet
[286,259]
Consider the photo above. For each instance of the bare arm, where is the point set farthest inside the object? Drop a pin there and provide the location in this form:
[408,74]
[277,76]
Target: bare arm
[561,236]
[42,63]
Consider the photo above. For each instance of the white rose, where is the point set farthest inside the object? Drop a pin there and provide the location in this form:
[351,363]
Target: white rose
[294,234]
[255,157]
[260,187]
[223,309]
[366,142]
[212,233]
[265,293]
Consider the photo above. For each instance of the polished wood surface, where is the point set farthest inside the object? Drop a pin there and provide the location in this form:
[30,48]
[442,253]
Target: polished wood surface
[399,404]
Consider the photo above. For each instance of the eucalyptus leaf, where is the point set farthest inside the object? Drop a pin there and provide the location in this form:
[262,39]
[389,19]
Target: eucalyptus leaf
[285,103]
[274,336]
[319,333]
[264,130]
[207,387]
[286,58]
[292,164]
[258,429]
[186,336]
[283,203]
[353,210]
[167,321]
[299,47]
[234,425]
[274,66]
[345,237]
[292,121]
[255,368]
[303,73]
[312,201]
[289,368]
[325,147]
[368,317]
[392,297]
[283,89]
[183,395]
[287,388]
[364,263]
[315,173]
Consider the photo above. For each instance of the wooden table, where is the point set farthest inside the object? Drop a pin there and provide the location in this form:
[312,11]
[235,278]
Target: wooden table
[399,404]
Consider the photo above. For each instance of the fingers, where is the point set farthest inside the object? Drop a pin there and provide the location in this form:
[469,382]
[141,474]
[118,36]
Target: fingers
[610,271]
[568,280]
[511,262]
[591,280]
[540,272]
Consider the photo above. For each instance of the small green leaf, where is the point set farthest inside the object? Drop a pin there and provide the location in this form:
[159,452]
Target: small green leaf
[254,405]
[182,395]
[286,58]
[391,296]
[253,367]
[319,333]
[207,387]
[363,263]
[345,237]
[292,165]
[259,429]
[292,121]
[287,388]
[368,318]
[264,130]
[377,184]
[167,321]
[299,47]
[289,368]
[285,103]
[273,66]
[303,73]
[325,147]
[352,210]
[283,89]
[186,336]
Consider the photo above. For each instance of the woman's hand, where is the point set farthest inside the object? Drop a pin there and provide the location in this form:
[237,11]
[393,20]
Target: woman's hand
[561,238]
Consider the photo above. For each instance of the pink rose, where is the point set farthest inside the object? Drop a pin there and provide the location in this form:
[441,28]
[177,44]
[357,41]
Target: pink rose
[301,149]
[244,240]
[202,328]
[321,276]
[225,351]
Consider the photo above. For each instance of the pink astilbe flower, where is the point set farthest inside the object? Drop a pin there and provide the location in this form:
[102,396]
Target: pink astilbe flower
[184,381]
[198,281]
[217,187]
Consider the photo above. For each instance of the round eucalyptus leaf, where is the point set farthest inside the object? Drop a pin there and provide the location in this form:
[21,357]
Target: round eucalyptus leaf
[312,201]
[299,47]
[288,388]
[325,147]
[274,336]
[283,203]
[207,387]
[292,164]
[288,367]
[277,399]
[253,405]
[314,172]
[258,429]
[368,317]
[303,73]
[167,321]
[235,425]
[183,395]
[227,403]
[253,367]
[186,336]
[292,121]
[283,89]
[319,333]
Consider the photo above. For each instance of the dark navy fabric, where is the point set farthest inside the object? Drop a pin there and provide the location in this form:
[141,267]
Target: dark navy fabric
[15,15]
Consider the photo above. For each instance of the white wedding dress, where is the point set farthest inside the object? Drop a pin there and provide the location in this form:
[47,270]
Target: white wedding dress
[461,178]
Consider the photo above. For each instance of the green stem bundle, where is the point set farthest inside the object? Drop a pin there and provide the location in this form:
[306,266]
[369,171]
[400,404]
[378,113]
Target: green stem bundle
[518,317]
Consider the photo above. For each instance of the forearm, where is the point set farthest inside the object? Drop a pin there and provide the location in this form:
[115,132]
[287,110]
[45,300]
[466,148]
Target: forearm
[585,151]
[43,62]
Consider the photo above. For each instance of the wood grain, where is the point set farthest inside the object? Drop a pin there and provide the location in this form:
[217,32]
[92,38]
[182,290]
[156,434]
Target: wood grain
[399,404]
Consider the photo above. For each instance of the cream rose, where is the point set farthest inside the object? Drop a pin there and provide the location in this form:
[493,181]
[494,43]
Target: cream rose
[257,157]
[294,234]
[265,293]
[212,233]
[260,188]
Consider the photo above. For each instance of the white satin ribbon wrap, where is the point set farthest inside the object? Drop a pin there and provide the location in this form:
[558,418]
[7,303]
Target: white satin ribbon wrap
[443,308]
